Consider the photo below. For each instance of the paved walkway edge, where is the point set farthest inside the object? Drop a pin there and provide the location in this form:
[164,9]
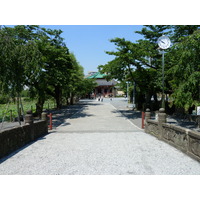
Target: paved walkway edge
[128,119]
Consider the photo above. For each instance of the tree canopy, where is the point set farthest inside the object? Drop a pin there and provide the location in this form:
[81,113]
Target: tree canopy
[184,71]
[141,63]
[38,58]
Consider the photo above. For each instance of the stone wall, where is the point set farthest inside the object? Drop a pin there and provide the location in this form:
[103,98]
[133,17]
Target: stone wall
[186,140]
[151,126]
[15,138]
[194,144]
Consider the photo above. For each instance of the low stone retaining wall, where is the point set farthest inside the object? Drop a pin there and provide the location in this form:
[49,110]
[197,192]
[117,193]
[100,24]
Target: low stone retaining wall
[15,138]
[186,140]
[151,126]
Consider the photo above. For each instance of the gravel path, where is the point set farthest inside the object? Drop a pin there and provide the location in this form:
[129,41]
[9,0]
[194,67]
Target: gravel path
[98,140]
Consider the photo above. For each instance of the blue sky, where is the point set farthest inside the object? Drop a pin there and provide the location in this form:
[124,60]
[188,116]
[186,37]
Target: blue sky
[89,42]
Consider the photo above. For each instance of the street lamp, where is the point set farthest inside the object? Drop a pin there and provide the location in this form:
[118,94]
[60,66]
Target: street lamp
[164,43]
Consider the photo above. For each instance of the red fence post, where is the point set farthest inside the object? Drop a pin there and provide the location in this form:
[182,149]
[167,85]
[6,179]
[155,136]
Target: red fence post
[50,121]
[51,124]
[143,116]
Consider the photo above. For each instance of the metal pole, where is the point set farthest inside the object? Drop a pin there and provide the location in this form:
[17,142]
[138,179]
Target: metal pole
[163,71]
[134,93]
[127,92]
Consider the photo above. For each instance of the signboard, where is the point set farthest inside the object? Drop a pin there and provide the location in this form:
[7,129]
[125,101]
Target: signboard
[198,110]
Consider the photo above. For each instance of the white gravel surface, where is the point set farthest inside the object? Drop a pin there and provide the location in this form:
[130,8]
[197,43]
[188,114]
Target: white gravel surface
[99,140]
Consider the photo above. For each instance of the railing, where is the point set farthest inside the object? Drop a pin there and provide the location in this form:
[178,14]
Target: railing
[186,140]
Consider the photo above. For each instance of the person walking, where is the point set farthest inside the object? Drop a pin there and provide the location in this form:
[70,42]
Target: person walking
[110,97]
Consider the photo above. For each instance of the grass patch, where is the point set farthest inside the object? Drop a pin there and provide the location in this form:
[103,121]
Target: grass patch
[27,105]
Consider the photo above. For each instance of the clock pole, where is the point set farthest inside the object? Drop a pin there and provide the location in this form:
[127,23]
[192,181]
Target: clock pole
[163,81]
[164,43]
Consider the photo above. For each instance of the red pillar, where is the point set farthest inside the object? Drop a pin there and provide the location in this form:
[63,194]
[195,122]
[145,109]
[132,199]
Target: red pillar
[50,121]
[143,116]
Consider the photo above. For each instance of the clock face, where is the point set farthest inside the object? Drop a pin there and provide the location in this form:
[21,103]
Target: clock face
[164,42]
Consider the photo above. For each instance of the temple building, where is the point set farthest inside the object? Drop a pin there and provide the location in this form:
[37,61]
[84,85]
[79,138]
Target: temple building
[104,88]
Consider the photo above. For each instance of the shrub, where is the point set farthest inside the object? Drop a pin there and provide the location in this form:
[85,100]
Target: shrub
[4,99]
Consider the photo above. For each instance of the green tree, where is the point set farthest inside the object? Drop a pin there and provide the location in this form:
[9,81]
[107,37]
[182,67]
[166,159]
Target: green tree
[139,62]
[78,85]
[15,60]
[87,86]
[75,79]
[185,71]
[35,57]
[181,31]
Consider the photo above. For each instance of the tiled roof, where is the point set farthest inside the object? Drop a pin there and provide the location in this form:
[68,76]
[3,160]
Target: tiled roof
[97,75]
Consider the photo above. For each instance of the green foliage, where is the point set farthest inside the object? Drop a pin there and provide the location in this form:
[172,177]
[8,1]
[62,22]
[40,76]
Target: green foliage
[141,63]
[25,93]
[28,104]
[153,32]
[87,86]
[78,85]
[4,99]
[18,56]
[181,31]
[185,71]
[37,58]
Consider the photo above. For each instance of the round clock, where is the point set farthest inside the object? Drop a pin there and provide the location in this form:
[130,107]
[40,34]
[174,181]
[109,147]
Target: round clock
[164,42]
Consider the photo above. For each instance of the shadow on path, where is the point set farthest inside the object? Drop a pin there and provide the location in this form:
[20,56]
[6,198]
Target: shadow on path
[183,123]
[130,114]
[22,148]
[59,116]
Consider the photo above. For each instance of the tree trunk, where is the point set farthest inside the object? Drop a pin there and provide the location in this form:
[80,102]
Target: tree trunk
[39,106]
[58,97]
[155,97]
[18,110]
[148,99]
[71,98]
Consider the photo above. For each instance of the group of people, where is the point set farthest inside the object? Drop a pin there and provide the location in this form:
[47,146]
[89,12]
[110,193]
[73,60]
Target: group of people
[100,98]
